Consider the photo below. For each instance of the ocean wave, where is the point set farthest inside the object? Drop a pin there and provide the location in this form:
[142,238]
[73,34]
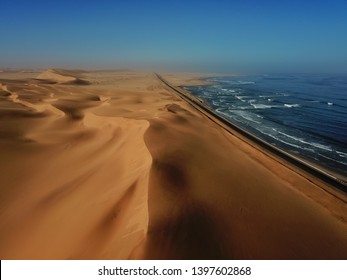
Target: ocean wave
[291,105]
[268,96]
[246,116]
[279,139]
[262,106]
[244,96]
[332,159]
[314,144]
[239,98]
[239,82]
[223,113]
[241,108]
[342,154]
[320,146]
[246,83]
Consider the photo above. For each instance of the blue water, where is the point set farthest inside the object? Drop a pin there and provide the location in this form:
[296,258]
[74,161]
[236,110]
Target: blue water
[305,115]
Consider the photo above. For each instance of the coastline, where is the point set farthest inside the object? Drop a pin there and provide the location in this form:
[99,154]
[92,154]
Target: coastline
[123,168]
[335,179]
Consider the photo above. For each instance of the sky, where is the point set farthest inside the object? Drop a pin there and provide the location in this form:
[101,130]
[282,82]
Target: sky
[210,36]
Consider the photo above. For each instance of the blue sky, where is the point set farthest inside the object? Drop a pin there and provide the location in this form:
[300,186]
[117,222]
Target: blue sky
[222,36]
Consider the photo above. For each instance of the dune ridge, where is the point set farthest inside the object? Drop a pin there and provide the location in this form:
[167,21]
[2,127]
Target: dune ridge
[125,169]
[62,77]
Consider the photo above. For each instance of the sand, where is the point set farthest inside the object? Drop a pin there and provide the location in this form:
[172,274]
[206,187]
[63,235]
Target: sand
[114,165]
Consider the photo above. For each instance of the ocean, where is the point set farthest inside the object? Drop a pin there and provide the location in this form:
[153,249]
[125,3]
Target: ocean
[306,115]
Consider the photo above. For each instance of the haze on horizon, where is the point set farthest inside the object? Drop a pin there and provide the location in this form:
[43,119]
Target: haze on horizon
[219,36]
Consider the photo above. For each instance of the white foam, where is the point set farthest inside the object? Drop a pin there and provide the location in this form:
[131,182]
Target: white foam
[322,147]
[280,140]
[246,116]
[317,145]
[330,103]
[240,98]
[342,154]
[291,105]
[261,106]
[223,113]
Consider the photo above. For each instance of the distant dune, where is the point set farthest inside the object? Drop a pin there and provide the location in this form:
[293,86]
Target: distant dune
[63,77]
[125,169]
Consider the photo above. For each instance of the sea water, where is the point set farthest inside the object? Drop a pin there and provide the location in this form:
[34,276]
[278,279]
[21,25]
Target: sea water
[305,115]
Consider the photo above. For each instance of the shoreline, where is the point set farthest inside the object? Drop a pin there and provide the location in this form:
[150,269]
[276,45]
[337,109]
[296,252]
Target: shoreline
[301,163]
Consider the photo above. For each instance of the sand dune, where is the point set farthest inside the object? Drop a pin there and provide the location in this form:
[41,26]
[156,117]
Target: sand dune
[125,169]
[62,77]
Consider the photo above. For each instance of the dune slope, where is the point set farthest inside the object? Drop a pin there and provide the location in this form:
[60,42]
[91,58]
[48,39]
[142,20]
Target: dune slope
[62,77]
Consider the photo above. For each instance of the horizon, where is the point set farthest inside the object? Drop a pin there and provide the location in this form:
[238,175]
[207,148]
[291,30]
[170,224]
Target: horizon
[203,36]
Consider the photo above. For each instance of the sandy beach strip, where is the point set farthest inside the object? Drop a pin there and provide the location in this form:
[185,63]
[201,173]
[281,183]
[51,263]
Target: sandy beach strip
[115,165]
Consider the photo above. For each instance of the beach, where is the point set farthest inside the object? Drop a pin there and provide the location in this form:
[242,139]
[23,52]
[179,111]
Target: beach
[116,165]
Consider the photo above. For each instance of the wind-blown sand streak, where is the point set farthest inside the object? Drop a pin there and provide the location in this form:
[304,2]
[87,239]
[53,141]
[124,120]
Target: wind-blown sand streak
[119,167]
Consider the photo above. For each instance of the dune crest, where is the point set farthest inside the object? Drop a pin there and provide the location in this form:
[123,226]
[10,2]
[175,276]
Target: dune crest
[62,77]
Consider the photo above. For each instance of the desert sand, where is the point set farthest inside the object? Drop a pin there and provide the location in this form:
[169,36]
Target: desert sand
[115,165]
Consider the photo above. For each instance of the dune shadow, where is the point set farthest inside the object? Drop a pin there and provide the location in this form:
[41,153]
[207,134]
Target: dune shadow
[193,234]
